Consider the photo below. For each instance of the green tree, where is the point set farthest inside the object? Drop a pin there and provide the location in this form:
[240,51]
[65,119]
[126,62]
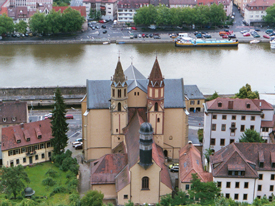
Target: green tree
[27,202]
[146,15]
[251,136]
[6,24]
[21,27]
[38,23]
[72,20]
[59,124]
[204,192]
[163,15]
[214,96]
[246,92]
[54,21]
[92,198]
[94,14]
[74,199]
[217,14]
[175,14]
[13,179]
[270,15]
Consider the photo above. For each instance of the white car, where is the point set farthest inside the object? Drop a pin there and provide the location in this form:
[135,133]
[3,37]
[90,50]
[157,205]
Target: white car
[139,36]
[244,31]
[77,141]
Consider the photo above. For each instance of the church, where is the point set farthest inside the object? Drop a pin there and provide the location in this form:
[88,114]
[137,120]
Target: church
[131,124]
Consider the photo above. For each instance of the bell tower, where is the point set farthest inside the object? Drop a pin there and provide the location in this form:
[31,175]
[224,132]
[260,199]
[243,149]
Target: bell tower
[155,102]
[118,108]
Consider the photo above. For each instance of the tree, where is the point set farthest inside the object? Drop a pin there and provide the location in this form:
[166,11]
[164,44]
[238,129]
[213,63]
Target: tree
[92,198]
[163,15]
[205,192]
[217,14]
[246,92]
[251,136]
[270,14]
[13,180]
[6,24]
[146,15]
[214,96]
[72,20]
[94,14]
[38,23]
[54,21]
[59,124]
[21,27]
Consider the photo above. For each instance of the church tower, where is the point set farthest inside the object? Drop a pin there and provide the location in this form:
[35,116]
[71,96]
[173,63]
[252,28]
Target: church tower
[155,102]
[118,108]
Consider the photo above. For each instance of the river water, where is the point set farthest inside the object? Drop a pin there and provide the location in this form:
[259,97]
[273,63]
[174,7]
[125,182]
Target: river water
[224,70]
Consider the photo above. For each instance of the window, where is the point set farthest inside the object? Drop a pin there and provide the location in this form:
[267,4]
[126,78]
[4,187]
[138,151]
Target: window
[124,92]
[212,141]
[23,149]
[261,165]
[116,130]
[236,196]
[192,102]
[36,147]
[252,118]
[145,183]
[222,142]
[229,172]
[42,156]
[24,159]
[223,127]
[244,196]
[227,195]
[272,177]
[259,187]
[273,165]
[219,104]
[223,116]
[270,198]
[135,93]
[232,141]
[252,127]
[119,107]
[271,188]
[237,184]
[260,176]
[48,144]
[17,161]
[214,116]
[113,92]
[49,154]
[28,139]
[233,117]
[219,184]
[228,184]
[247,105]
[156,107]
[246,185]
[119,92]
[213,127]
[198,102]
[36,157]
[187,187]
[158,119]
[265,129]
[125,196]
[243,117]
[242,128]
[4,119]
[138,93]
[41,146]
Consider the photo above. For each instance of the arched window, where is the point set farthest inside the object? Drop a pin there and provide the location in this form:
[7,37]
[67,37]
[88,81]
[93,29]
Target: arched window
[119,107]
[119,92]
[145,183]
[156,107]
[113,92]
[124,92]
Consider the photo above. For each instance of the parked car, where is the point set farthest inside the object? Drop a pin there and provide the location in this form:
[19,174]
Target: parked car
[226,26]
[174,168]
[226,30]
[103,26]
[101,21]
[231,36]
[225,37]
[156,37]
[269,31]
[48,116]
[257,29]
[77,141]
[104,32]
[146,35]
[79,146]
[97,27]
[139,35]
[134,28]
[151,35]
[93,28]
[207,36]
[272,34]
[143,35]
[221,33]
[244,31]
[199,35]
[135,36]
[266,36]
[196,32]
[246,34]
[69,116]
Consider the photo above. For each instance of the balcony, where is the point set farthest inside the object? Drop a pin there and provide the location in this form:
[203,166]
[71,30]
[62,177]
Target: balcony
[28,154]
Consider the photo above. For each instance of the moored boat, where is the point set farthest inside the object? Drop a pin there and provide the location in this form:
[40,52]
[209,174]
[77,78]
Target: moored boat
[255,41]
[190,42]
[272,44]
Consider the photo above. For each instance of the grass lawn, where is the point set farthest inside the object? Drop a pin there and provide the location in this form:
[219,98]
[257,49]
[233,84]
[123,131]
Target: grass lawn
[37,174]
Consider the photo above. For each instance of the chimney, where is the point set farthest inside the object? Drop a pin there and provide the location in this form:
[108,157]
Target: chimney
[230,104]
[189,144]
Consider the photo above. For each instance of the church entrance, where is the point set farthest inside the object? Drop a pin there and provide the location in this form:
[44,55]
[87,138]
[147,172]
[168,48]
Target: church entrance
[198,109]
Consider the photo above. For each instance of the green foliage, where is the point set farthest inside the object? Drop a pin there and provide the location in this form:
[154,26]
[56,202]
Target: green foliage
[207,154]
[74,199]
[214,96]
[21,27]
[129,203]
[6,24]
[72,185]
[13,178]
[270,14]
[261,202]
[48,181]
[67,162]
[200,135]
[72,20]
[59,124]
[204,192]
[246,92]
[54,22]
[38,23]
[94,14]
[28,202]
[61,2]
[58,189]
[109,204]
[92,198]
[251,136]
[5,203]
[74,168]
[228,202]
[146,15]
[166,200]
[51,173]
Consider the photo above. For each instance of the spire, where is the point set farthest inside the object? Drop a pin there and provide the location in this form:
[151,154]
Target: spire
[156,75]
[119,74]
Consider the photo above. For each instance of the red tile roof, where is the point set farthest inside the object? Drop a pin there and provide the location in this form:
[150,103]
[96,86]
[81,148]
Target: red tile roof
[24,131]
[190,163]
[13,112]
[259,5]
[122,179]
[99,1]
[81,9]
[4,10]
[132,3]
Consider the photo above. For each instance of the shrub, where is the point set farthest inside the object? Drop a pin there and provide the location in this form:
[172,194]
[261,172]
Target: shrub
[28,202]
[74,199]
[70,175]
[5,203]
[48,181]
[92,198]
[72,185]
[74,168]
[58,189]
[51,173]
[67,162]
[200,135]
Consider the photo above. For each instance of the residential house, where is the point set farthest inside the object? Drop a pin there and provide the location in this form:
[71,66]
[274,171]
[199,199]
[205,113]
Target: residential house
[190,163]
[27,143]
[29,3]
[226,119]
[182,3]
[245,171]
[194,99]
[108,8]
[227,5]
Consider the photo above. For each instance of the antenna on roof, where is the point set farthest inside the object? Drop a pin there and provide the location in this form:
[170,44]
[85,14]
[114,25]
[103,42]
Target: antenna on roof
[132,59]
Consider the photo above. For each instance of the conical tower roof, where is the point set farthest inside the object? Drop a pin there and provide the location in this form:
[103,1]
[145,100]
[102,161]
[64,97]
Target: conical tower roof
[119,74]
[155,77]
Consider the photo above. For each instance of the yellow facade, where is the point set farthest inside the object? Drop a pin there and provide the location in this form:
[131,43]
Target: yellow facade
[137,98]
[123,196]
[192,104]
[109,190]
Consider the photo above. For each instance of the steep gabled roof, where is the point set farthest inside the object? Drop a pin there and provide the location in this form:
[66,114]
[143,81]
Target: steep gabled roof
[119,76]
[156,78]
[13,112]
[193,92]
[132,73]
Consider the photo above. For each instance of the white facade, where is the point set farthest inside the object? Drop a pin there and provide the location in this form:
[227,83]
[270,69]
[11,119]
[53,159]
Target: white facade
[253,16]
[265,184]
[125,15]
[110,9]
[239,189]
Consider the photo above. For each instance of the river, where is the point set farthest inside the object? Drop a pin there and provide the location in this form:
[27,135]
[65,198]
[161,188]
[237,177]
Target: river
[224,70]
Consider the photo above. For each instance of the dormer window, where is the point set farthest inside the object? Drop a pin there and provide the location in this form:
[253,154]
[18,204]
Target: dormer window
[261,165]
[18,141]
[28,139]
[4,119]
[273,164]
[248,105]
[39,136]
[219,104]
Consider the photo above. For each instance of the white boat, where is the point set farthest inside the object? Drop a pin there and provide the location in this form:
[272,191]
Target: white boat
[254,41]
[272,44]
[106,42]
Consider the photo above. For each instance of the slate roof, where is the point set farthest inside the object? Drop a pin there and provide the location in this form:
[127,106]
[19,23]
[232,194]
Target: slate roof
[246,155]
[108,166]
[132,73]
[193,92]
[13,112]
[27,130]
[190,163]
[141,83]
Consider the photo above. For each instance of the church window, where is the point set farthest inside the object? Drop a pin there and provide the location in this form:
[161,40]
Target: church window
[113,92]
[135,93]
[158,119]
[138,93]
[125,196]
[119,107]
[119,93]
[156,107]
[116,130]
[124,92]
[145,183]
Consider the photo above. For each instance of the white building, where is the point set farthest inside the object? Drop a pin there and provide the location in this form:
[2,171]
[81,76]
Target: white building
[245,171]
[255,11]
[226,119]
